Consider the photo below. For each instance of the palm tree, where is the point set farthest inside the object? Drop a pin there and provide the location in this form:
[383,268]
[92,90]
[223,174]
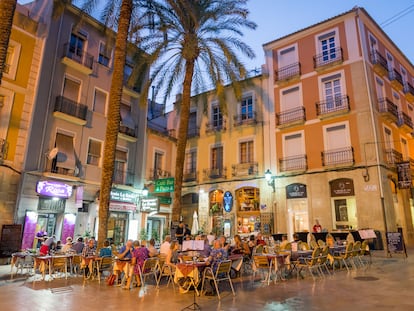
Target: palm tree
[7,8]
[196,43]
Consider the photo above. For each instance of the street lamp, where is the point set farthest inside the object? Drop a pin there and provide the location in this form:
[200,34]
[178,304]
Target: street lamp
[270,179]
[144,191]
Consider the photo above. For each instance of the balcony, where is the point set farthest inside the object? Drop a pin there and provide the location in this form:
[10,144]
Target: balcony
[245,169]
[76,59]
[53,167]
[123,178]
[190,176]
[405,122]
[212,127]
[379,63]
[216,173]
[3,149]
[396,80]
[71,111]
[328,58]
[159,129]
[388,109]
[342,156]
[127,133]
[157,173]
[392,156]
[248,118]
[289,72]
[291,117]
[294,163]
[193,132]
[332,107]
[409,92]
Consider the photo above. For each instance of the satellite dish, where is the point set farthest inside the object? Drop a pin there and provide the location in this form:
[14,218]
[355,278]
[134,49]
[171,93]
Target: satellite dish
[52,153]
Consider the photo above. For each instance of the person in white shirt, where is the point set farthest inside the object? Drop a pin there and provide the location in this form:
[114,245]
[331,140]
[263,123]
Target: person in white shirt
[153,252]
[68,246]
[165,246]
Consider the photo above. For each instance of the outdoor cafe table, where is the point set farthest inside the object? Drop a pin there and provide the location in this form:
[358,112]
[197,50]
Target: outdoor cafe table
[41,262]
[190,270]
[16,259]
[92,262]
[122,265]
[278,262]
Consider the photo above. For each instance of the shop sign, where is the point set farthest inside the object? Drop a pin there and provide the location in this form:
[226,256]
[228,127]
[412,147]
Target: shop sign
[164,185]
[165,200]
[122,207]
[342,187]
[53,189]
[51,206]
[123,196]
[296,191]
[150,205]
[404,175]
[228,201]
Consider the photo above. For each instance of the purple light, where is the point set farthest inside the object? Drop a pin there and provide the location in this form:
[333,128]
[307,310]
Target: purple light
[54,189]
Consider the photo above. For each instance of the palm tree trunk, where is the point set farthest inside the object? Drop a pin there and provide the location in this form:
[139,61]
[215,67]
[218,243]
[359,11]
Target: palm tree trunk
[7,8]
[113,120]
[182,139]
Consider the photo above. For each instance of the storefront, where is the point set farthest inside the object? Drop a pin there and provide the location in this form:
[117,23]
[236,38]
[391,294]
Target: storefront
[50,216]
[344,209]
[297,208]
[248,210]
[216,211]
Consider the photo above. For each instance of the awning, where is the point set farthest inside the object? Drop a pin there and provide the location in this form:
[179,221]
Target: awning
[126,118]
[121,206]
[66,154]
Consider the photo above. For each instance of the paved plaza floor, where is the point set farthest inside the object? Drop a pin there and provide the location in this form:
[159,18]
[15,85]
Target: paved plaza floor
[388,284]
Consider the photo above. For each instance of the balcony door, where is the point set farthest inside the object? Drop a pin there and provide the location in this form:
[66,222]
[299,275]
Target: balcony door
[71,89]
[217,160]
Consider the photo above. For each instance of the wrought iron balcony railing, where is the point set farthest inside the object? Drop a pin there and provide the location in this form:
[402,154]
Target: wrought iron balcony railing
[127,130]
[216,126]
[215,173]
[78,56]
[123,177]
[294,163]
[328,57]
[387,106]
[245,169]
[190,175]
[405,119]
[245,118]
[158,174]
[392,156]
[288,72]
[338,156]
[292,115]
[395,76]
[70,107]
[334,105]
[193,132]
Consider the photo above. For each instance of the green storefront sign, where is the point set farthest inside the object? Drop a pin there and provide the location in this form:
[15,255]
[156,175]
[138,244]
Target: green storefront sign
[165,200]
[164,185]
[123,196]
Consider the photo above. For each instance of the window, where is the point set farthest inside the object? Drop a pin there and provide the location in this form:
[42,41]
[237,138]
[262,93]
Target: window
[71,89]
[9,60]
[12,60]
[77,44]
[293,145]
[129,67]
[390,62]
[158,160]
[120,163]
[338,148]
[217,157]
[396,99]
[404,149]
[332,92]
[191,161]
[246,108]
[379,86]
[104,55]
[126,117]
[65,157]
[216,117]
[94,152]
[99,103]
[389,144]
[246,152]
[328,48]
[290,99]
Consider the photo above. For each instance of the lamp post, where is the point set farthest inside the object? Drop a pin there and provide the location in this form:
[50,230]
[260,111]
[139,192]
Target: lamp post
[270,179]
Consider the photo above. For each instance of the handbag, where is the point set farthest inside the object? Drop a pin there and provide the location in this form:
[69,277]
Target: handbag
[110,279]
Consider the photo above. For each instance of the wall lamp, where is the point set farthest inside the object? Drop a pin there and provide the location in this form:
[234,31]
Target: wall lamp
[144,191]
[270,179]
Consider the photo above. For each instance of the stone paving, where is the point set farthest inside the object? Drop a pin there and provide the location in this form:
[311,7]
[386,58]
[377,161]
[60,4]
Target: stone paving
[388,284]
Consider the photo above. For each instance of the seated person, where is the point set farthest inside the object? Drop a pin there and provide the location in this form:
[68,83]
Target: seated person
[239,246]
[68,246]
[78,246]
[217,255]
[260,240]
[153,252]
[284,242]
[172,256]
[106,251]
[165,246]
[224,244]
[89,250]
[140,254]
[207,249]
[126,251]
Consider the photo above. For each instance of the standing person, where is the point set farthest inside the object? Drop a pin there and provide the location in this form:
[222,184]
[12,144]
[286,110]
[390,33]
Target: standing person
[187,231]
[180,232]
[40,236]
[165,246]
[317,226]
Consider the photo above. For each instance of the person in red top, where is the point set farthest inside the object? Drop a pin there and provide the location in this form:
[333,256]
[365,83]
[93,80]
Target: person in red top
[259,239]
[44,250]
[317,227]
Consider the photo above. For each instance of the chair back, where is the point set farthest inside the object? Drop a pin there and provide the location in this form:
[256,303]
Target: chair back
[223,267]
[58,262]
[364,248]
[288,247]
[321,243]
[357,248]
[315,256]
[258,249]
[150,265]
[303,246]
[313,244]
[324,255]
[106,263]
[349,249]
[261,261]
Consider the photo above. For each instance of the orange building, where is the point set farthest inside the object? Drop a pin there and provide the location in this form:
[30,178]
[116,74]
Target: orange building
[340,127]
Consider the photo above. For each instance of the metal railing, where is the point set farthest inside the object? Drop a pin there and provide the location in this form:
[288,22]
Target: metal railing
[70,107]
[328,57]
[405,119]
[392,156]
[157,173]
[387,106]
[408,88]
[288,72]
[378,59]
[338,156]
[190,175]
[245,118]
[123,129]
[80,57]
[291,115]
[215,173]
[395,75]
[122,177]
[216,126]
[294,163]
[336,104]
[245,169]
[193,132]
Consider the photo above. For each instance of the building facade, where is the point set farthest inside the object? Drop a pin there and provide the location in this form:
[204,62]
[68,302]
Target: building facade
[17,96]
[341,136]
[62,171]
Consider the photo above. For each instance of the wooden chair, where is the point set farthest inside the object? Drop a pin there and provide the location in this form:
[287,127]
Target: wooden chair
[150,268]
[222,274]
[76,264]
[60,264]
[105,265]
[262,263]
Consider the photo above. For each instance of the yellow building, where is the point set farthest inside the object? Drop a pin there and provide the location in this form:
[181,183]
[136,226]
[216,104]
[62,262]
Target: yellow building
[342,125]
[17,95]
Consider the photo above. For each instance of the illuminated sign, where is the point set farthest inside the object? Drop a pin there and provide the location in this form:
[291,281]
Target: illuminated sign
[150,205]
[54,189]
[123,196]
[164,185]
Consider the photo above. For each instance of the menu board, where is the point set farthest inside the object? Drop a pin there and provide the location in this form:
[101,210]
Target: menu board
[10,239]
[395,242]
